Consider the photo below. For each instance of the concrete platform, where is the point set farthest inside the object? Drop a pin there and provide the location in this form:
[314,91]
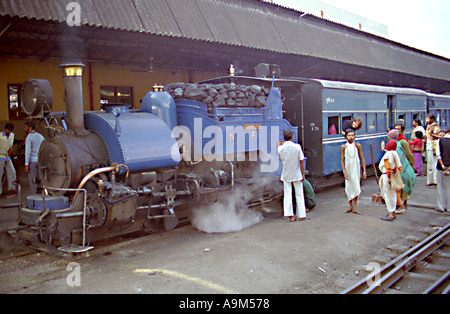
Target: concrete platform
[273,256]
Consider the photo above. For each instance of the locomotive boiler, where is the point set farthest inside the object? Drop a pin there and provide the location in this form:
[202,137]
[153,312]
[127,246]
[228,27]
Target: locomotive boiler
[120,170]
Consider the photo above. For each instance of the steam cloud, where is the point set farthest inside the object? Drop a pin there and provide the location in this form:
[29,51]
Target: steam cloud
[219,218]
[231,213]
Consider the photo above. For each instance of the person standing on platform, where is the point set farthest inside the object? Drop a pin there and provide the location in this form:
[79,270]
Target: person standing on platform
[351,159]
[417,124]
[390,181]
[32,144]
[404,142]
[417,148]
[6,143]
[433,133]
[443,172]
[292,157]
[408,175]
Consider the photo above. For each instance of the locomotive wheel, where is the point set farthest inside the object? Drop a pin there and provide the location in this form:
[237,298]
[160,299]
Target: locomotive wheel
[97,212]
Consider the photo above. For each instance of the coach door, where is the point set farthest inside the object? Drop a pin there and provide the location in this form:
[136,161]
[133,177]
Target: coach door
[391,111]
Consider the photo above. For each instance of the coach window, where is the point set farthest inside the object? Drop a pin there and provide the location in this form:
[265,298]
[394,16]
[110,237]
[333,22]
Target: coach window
[365,126]
[333,125]
[116,95]
[371,123]
[444,117]
[381,122]
[345,120]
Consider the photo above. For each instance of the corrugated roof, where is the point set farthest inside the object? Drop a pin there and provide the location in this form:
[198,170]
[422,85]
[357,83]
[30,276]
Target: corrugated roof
[189,19]
[117,14]
[253,24]
[157,18]
[246,23]
[219,22]
[37,9]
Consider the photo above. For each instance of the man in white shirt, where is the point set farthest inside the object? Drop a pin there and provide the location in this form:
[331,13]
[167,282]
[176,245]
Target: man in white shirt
[291,155]
[6,143]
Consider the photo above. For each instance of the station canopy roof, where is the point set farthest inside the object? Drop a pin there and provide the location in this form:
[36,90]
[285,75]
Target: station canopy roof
[212,34]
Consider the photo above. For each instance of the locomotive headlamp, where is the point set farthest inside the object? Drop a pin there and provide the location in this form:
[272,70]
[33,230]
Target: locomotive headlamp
[37,97]
[72,69]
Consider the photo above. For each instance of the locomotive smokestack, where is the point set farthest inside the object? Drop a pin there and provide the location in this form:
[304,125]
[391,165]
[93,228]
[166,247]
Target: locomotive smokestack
[73,73]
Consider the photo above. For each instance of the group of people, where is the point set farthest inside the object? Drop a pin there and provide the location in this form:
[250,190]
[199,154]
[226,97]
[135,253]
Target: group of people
[399,166]
[33,142]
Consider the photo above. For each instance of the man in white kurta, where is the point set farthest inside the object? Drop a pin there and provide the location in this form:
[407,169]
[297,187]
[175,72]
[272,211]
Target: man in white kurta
[292,157]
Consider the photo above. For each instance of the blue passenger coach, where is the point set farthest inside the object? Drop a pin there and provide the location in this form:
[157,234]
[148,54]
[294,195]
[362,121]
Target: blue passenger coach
[337,102]
[439,105]
[319,108]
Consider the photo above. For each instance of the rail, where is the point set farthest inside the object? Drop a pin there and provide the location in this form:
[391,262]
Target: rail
[393,271]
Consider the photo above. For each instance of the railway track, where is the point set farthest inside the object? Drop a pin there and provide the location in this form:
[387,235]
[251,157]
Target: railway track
[424,268]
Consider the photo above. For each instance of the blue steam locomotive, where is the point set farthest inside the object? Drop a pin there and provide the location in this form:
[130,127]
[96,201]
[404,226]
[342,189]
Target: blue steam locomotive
[121,170]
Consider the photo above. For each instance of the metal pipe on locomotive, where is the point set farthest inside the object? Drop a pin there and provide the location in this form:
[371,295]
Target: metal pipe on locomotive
[118,170]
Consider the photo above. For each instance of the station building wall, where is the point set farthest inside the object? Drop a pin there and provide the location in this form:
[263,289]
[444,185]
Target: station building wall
[17,71]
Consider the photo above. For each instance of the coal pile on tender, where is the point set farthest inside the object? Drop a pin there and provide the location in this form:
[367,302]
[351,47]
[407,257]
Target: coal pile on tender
[221,95]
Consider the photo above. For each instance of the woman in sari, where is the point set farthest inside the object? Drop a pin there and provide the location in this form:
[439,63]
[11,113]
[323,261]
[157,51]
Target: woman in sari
[408,176]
